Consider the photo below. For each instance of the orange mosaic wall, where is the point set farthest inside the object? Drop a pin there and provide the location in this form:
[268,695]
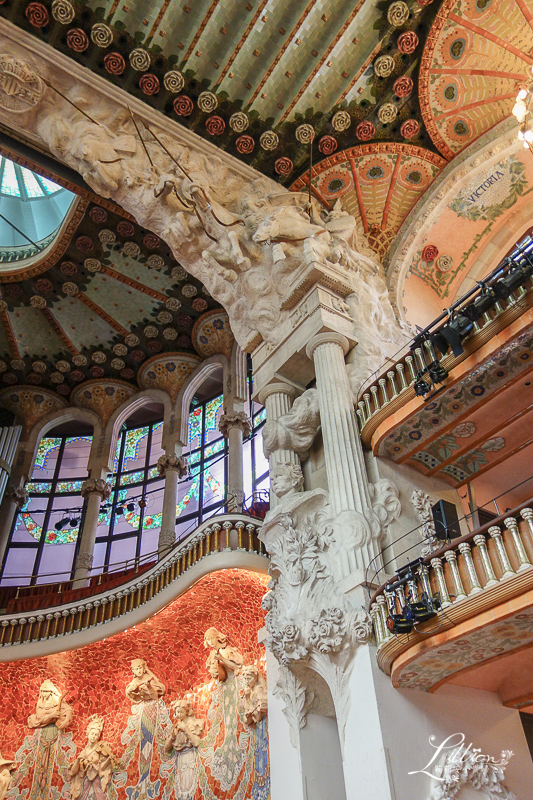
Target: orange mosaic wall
[95,676]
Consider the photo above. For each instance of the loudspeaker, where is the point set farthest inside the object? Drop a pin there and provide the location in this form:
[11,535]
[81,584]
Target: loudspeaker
[446,521]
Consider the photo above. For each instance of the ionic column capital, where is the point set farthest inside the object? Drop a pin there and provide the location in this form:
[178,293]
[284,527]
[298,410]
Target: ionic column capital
[96,486]
[276,388]
[235,419]
[169,461]
[329,337]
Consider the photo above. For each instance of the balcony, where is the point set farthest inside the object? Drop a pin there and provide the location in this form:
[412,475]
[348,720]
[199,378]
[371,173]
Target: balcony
[480,587]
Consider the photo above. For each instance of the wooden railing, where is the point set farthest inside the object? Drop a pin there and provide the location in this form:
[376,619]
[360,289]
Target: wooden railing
[492,555]
[231,532]
[395,388]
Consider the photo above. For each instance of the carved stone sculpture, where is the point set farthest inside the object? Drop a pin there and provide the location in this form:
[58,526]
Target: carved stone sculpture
[255,695]
[96,486]
[171,461]
[421,503]
[93,768]
[295,430]
[7,767]
[145,685]
[188,729]
[19,494]
[21,89]
[223,658]
[235,419]
[51,708]
[461,767]
[286,480]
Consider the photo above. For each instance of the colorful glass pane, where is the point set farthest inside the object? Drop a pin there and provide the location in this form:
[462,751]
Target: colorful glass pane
[46,445]
[132,477]
[31,185]
[38,487]
[213,449]
[10,184]
[49,186]
[213,411]
[195,426]
[68,486]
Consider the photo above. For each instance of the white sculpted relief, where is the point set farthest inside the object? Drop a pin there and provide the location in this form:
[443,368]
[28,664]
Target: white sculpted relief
[249,249]
[7,767]
[187,730]
[93,768]
[295,430]
[51,708]
[255,695]
[145,685]
[422,504]
[223,658]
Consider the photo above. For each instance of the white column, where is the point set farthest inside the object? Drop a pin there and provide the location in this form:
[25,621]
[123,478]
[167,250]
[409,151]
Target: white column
[277,399]
[172,467]
[345,467]
[235,426]
[14,498]
[95,490]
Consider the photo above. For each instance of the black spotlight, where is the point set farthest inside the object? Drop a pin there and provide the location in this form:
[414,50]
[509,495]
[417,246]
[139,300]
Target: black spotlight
[437,373]
[61,524]
[399,623]
[421,386]
[119,511]
[73,522]
[130,507]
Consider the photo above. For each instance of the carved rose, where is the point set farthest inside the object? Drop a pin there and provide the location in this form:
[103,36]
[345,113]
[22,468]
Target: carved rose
[68,268]
[137,355]
[238,122]
[183,105]
[125,228]
[207,102]
[44,285]
[37,15]
[150,331]
[77,375]
[365,131]
[101,34]
[39,366]
[117,363]
[84,243]
[114,63]
[155,262]
[398,13]
[189,290]
[107,237]
[77,40]
[269,140]
[70,289]
[92,265]
[179,273]
[127,373]
[120,349]
[328,630]
[341,121]
[173,304]
[444,263]
[37,302]
[170,334]
[215,125]
[429,253]
[34,379]
[184,320]
[173,81]
[79,360]
[63,389]
[98,357]
[305,133]
[199,304]
[387,113]
[407,42]
[149,84]
[56,377]
[403,86]
[98,215]
[63,366]
[164,317]
[140,59]
[131,249]
[409,128]
[283,165]
[384,66]
[154,346]
[327,145]
[151,241]
[245,144]
[63,11]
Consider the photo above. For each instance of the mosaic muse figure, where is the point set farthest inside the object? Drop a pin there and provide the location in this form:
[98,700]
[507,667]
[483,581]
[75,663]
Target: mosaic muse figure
[145,685]
[187,730]
[223,657]
[6,768]
[92,770]
[255,695]
[51,708]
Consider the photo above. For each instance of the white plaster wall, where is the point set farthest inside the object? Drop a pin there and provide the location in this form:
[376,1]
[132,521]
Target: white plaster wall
[409,717]
[321,759]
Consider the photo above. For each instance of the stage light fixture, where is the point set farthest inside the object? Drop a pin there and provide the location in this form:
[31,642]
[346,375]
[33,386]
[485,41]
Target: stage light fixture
[61,524]
[130,507]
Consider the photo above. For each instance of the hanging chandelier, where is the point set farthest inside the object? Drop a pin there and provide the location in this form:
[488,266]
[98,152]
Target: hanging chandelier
[523,111]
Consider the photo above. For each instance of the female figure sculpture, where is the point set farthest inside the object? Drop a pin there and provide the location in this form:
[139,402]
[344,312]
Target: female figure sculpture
[145,685]
[223,657]
[255,695]
[92,770]
[184,739]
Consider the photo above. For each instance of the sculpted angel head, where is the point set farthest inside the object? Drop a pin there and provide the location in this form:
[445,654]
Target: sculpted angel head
[286,479]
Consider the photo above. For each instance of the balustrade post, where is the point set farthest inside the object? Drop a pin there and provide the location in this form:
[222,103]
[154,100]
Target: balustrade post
[512,526]
[382,606]
[496,536]
[459,590]
[217,527]
[383,386]
[410,363]
[400,369]
[466,551]
[481,542]
[377,623]
[391,375]
[374,391]
[436,563]
[250,528]
[227,525]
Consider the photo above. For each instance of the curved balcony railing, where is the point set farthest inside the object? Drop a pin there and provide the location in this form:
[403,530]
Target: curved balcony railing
[462,579]
[393,389]
[223,534]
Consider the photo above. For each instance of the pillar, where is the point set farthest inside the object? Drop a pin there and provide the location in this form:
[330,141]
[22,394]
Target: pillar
[94,490]
[277,399]
[14,498]
[235,426]
[345,467]
[173,467]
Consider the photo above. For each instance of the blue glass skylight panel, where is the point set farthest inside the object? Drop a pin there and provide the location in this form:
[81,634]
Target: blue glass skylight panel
[33,189]
[10,184]
[49,186]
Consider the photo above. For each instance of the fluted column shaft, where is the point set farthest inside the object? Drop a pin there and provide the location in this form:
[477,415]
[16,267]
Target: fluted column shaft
[345,468]
[94,490]
[234,426]
[172,467]
[277,398]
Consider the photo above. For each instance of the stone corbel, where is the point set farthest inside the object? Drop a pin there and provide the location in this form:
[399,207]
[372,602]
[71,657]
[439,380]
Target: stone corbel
[170,461]
[235,419]
[96,486]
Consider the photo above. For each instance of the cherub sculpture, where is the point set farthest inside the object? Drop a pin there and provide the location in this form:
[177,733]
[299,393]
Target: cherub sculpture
[223,658]
[51,708]
[255,695]
[7,767]
[187,730]
[92,770]
[145,685]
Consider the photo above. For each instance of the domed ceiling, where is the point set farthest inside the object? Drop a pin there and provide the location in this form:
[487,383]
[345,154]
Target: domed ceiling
[110,298]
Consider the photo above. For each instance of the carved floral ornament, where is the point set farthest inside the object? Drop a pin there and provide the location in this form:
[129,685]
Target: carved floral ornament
[172,462]
[21,88]
[235,419]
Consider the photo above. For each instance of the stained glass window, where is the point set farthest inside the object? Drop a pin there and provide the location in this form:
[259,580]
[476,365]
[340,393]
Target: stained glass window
[10,184]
